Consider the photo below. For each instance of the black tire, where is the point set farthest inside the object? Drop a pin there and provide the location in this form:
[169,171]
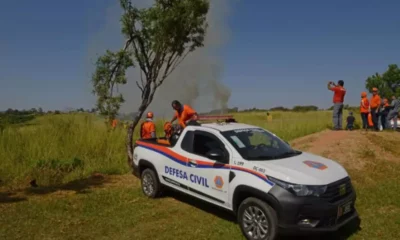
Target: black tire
[270,217]
[151,186]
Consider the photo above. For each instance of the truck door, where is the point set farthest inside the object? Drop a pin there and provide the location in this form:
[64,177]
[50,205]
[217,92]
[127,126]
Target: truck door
[208,178]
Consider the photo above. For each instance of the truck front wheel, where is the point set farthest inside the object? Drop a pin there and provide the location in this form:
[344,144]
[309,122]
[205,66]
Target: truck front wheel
[257,220]
[151,187]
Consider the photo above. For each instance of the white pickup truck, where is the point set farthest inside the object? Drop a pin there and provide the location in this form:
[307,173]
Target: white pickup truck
[253,173]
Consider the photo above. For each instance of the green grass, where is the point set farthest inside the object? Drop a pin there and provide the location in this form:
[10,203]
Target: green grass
[63,138]
[61,152]
[60,138]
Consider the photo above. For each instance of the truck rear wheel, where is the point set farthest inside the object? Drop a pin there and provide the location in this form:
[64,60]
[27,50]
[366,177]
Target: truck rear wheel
[257,220]
[151,186]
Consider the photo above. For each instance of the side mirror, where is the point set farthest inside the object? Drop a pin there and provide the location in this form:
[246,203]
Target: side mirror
[216,154]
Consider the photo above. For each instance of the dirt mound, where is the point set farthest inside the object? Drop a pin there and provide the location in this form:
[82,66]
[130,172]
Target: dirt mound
[352,148]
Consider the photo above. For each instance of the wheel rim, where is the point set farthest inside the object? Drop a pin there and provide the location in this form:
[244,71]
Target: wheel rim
[255,222]
[148,184]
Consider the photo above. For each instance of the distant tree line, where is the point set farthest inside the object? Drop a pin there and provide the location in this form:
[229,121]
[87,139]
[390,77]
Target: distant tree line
[279,108]
[39,111]
[348,107]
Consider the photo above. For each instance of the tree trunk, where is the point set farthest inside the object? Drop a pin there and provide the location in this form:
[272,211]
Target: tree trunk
[147,97]
[129,139]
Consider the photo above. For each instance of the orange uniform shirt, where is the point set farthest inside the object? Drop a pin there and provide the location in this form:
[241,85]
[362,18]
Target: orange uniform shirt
[339,93]
[146,130]
[186,114]
[375,101]
[364,105]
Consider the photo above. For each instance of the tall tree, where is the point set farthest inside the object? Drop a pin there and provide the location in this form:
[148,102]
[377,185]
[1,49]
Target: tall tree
[388,83]
[158,39]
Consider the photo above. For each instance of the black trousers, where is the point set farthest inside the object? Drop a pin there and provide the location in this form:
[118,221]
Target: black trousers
[364,117]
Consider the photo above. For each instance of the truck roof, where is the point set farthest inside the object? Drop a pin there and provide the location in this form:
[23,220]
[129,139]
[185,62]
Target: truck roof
[223,127]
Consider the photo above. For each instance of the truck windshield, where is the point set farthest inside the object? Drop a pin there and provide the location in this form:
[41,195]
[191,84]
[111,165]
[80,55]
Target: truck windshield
[258,144]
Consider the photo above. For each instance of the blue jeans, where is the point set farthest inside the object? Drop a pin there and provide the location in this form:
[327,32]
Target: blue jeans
[349,126]
[384,121]
[337,115]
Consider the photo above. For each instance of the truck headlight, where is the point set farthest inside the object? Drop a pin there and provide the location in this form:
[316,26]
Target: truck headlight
[300,190]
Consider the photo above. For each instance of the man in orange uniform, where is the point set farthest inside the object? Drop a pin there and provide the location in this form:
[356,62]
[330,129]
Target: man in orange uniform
[375,103]
[183,113]
[364,110]
[114,123]
[148,128]
[338,99]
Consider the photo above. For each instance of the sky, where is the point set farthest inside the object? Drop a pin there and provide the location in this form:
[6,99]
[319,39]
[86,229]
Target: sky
[276,53]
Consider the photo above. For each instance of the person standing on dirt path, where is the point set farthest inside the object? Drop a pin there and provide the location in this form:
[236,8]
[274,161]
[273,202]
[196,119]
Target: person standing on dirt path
[375,104]
[184,113]
[148,128]
[338,99]
[385,107]
[364,110]
[394,111]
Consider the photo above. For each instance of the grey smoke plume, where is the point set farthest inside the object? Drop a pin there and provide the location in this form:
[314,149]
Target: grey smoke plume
[197,81]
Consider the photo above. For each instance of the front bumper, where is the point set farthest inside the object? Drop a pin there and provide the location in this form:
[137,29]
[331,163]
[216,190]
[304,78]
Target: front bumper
[323,214]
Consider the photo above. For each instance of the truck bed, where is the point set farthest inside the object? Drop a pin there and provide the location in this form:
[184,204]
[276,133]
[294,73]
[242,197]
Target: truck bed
[156,141]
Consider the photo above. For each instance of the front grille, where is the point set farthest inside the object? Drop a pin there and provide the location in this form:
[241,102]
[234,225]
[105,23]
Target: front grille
[334,192]
[327,222]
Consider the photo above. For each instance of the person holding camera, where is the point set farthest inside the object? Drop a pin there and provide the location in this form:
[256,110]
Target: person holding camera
[338,98]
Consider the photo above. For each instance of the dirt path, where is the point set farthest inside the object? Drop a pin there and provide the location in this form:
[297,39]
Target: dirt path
[351,148]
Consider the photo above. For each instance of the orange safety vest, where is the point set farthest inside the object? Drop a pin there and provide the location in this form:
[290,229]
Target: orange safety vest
[146,129]
[365,108]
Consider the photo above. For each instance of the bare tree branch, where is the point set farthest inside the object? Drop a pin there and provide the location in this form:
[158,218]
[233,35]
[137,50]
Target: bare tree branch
[137,84]
[116,68]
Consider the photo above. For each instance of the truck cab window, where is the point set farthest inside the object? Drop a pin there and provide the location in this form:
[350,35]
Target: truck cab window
[187,142]
[204,142]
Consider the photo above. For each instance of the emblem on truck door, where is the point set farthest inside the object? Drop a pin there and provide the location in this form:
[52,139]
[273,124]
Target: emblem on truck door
[219,182]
